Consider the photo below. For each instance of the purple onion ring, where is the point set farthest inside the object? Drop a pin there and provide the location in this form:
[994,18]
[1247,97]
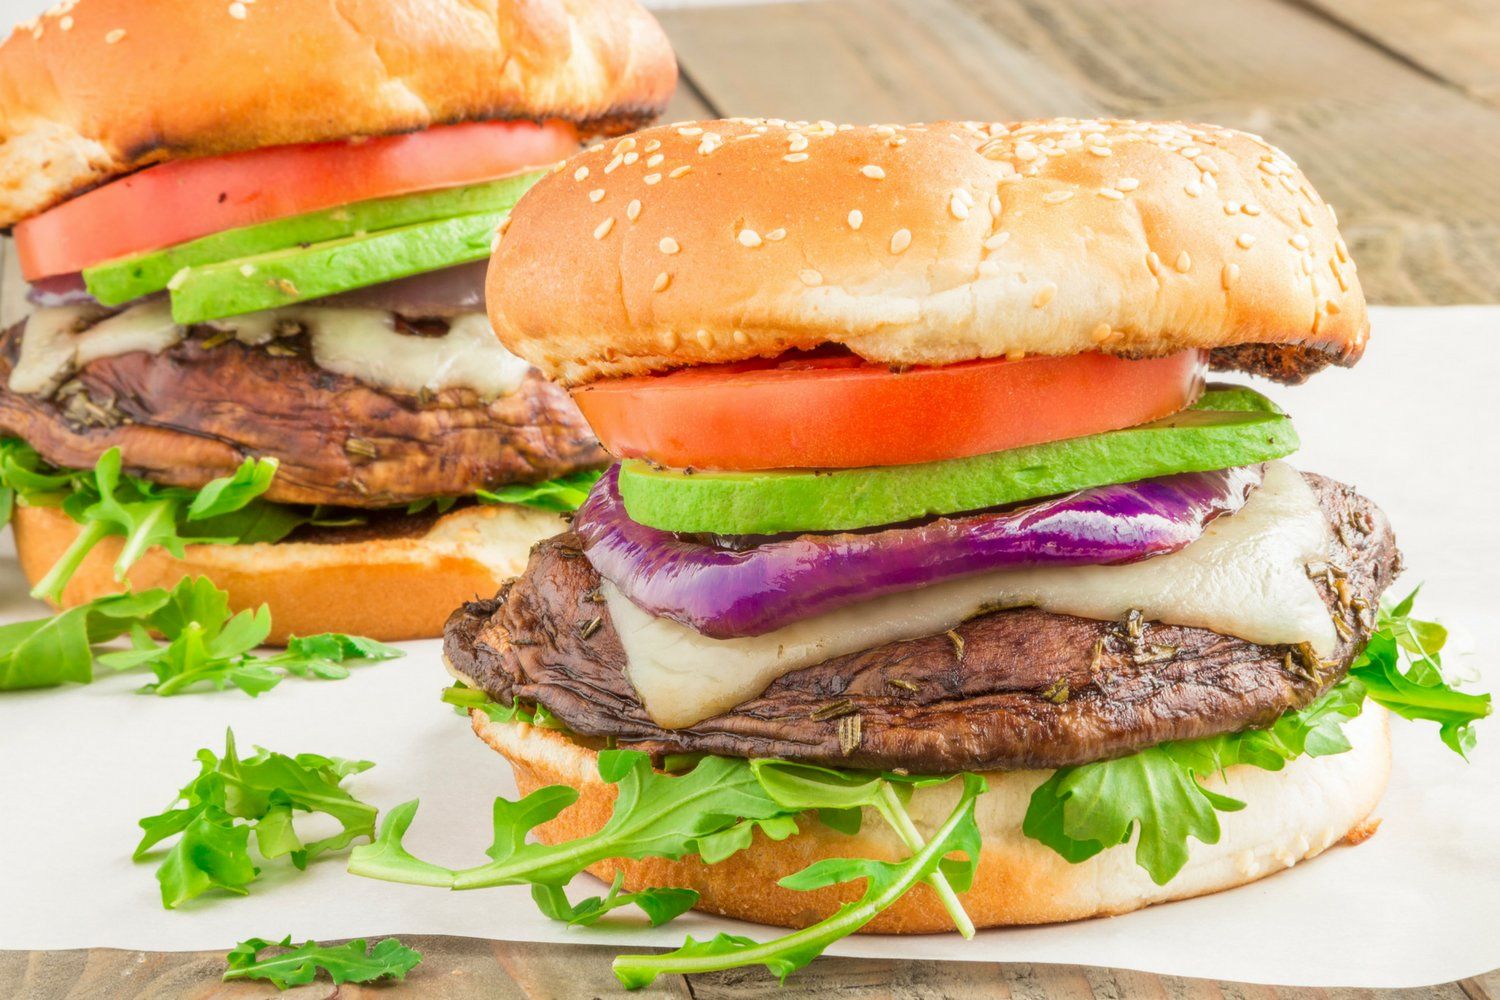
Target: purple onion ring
[727,594]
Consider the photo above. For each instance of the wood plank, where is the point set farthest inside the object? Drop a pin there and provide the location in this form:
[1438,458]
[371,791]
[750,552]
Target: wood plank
[1457,41]
[455,968]
[1395,150]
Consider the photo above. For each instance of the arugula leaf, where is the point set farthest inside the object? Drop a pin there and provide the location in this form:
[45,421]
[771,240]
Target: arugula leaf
[463,698]
[233,797]
[324,655]
[107,503]
[1421,692]
[885,882]
[46,652]
[564,494]
[659,905]
[655,815]
[350,962]
[806,786]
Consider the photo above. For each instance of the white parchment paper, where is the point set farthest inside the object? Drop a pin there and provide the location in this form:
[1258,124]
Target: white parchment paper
[1414,426]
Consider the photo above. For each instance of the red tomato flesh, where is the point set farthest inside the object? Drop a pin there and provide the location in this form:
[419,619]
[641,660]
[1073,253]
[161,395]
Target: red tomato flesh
[183,200]
[844,412]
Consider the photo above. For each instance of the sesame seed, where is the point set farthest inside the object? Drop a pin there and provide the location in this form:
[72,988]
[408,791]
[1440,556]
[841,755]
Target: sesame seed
[995,205]
[1228,276]
[1100,333]
[997,241]
[1111,194]
[631,158]
[711,142]
[1056,197]
[581,173]
[652,178]
[1101,151]
[614,164]
[689,132]
[900,240]
[654,160]
[668,245]
[1044,296]
[1184,263]
[652,146]
[633,210]
[871,171]
[1245,240]
[237,11]
[856,219]
[1127,184]
[1342,249]
[602,230]
[959,210]
[797,143]
[749,238]
[1231,208]
[810,277]
[679,171]
[705,338]
[740,338]
[66,23]
[776,235]
[1299,241]
[175,282]
[627,143]
[114,36]
[794,157]
[669,339]
[1193,189]
[1153,262]
[596,195]
[662,281]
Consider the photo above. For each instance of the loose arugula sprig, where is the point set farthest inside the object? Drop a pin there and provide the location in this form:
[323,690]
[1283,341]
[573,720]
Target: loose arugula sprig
[1158,795]
[350,962]
[233,798]
[659,905]
[885,882]
[205,644]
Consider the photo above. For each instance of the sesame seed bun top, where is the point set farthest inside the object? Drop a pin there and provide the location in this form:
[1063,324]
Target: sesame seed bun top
[925,245]
[97,88]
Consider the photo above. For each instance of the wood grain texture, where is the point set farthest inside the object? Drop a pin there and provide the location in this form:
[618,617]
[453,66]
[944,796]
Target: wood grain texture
[1405,157]
[469,969]
[1455,41]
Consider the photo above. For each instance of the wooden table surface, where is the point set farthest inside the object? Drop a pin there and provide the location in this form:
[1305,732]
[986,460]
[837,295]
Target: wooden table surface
[1392,107]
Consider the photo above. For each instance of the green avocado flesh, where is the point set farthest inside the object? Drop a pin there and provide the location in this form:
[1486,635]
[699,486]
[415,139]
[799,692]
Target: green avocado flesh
[1228,426]
[284,277]
[119,281]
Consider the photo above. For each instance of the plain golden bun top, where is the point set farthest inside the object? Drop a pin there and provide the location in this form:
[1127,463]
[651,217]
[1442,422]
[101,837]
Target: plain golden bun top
[922,245]
[97,88]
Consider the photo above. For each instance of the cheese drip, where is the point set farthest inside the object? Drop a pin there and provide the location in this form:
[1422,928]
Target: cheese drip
[361,343]
[1246,577]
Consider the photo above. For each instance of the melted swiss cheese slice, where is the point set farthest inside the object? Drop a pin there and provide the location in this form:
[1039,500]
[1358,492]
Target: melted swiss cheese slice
[1246,577]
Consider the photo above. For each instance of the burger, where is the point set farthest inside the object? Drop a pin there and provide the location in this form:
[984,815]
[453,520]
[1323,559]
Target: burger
[934,586]
[244,324]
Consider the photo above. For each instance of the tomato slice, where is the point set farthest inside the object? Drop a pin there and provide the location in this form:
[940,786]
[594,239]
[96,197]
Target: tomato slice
[183,200]
[843,412]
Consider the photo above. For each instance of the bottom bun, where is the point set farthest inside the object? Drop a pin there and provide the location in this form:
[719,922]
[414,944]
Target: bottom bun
[387,585]
[1291,815]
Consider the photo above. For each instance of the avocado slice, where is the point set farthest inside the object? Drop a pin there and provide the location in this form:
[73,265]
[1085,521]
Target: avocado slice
[284,277]
[1228,426]
[118,281]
